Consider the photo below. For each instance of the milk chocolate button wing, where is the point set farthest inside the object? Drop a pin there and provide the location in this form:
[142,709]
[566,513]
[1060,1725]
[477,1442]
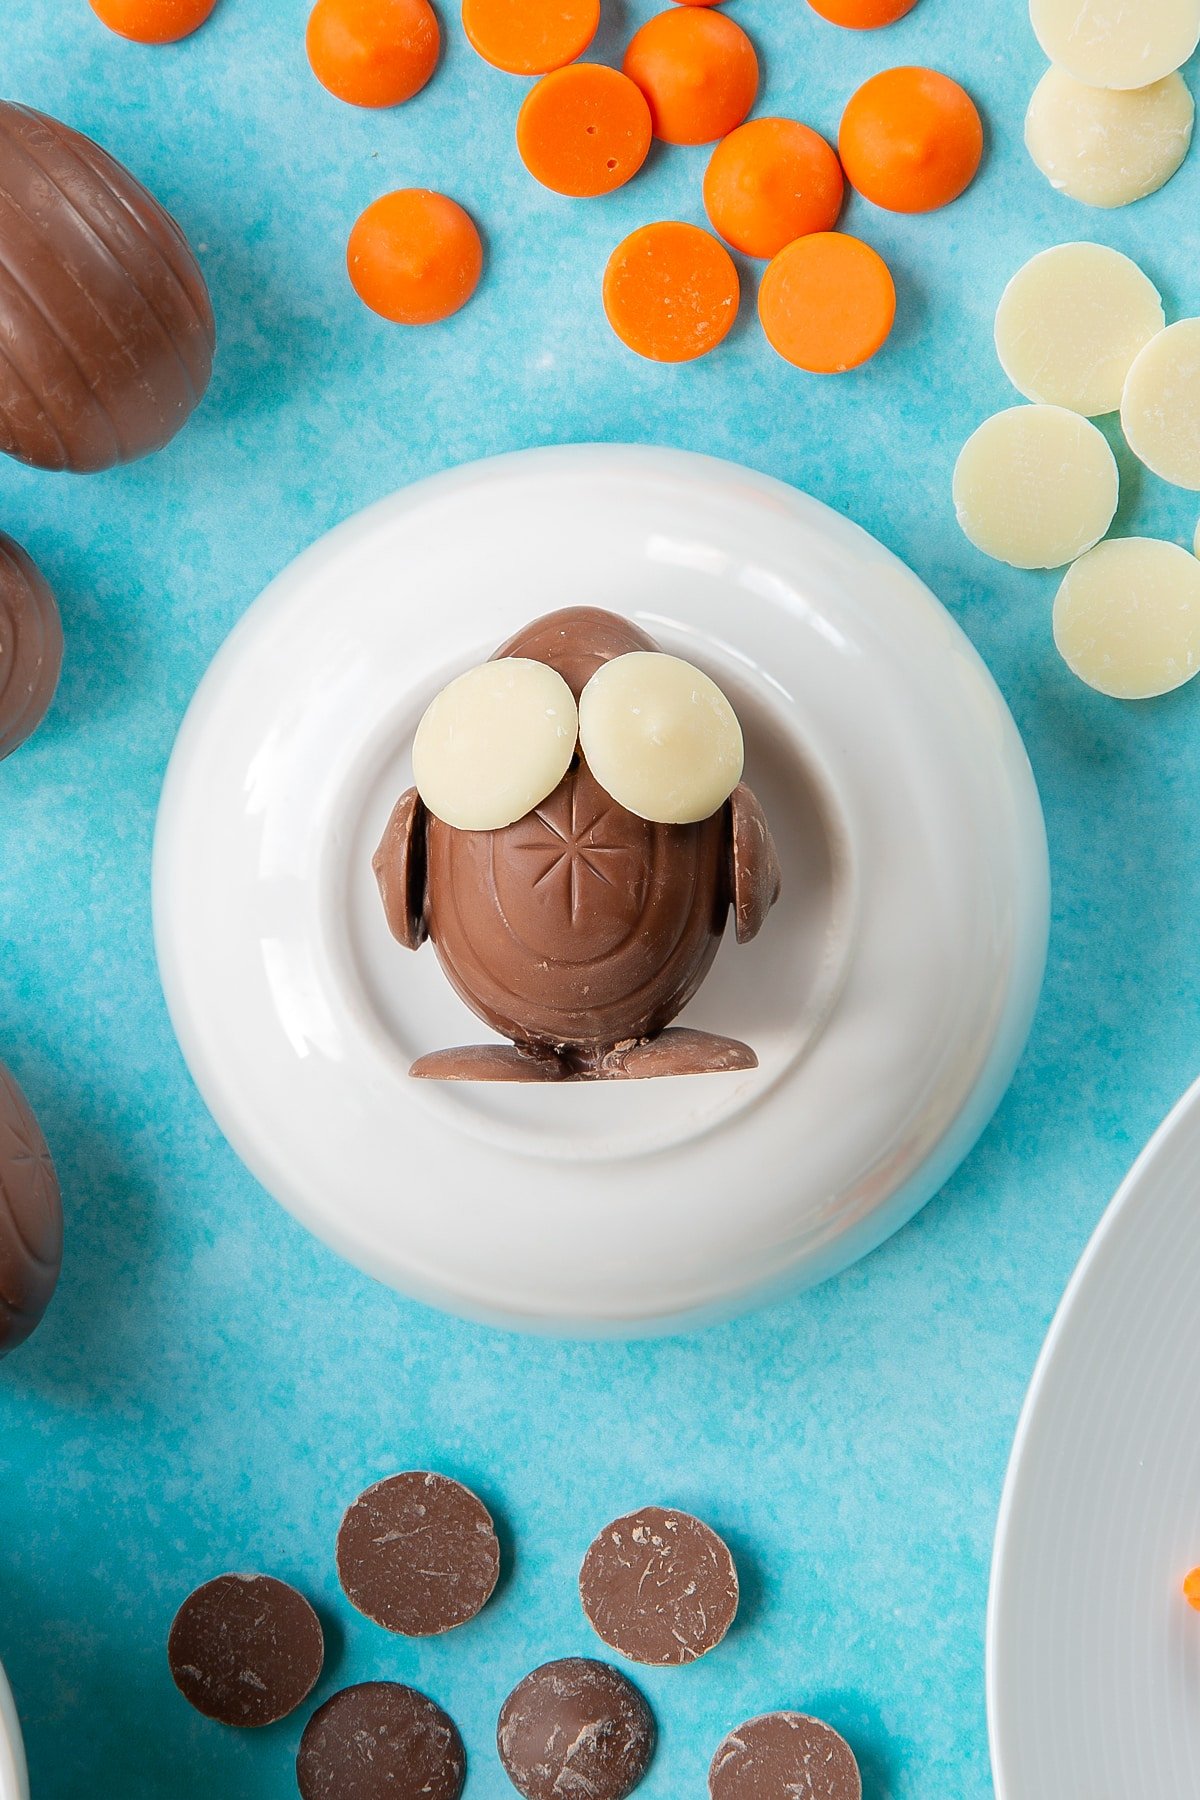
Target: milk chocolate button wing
[245,1649]
[106,329]
[31,646]
[30,1218]
[660,1587]
[418,1554]
[575,1727]
[781,1754]
[380,1741]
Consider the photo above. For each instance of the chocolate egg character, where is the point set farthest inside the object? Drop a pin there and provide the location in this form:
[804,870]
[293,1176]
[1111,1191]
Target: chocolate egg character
[106,329]
[581,928]
[31,646]
[30,1218]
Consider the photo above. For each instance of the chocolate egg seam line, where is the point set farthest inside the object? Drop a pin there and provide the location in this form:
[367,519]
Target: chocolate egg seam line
[127,274]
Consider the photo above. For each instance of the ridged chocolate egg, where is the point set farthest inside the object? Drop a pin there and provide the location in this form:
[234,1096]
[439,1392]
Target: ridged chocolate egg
[106,328]
[30,1218]
[31,646]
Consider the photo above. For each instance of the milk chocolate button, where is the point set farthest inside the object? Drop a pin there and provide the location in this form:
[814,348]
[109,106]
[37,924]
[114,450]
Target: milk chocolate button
[418,1554]
[575,1728]
[246,1649]
[660,1587]
[380,1741]
[784,1753]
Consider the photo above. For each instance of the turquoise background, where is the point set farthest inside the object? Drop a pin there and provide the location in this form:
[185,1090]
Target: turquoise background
[212,1386]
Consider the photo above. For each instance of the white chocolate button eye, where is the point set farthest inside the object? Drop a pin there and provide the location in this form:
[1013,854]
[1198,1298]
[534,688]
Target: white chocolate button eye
[660,737]
[494,743]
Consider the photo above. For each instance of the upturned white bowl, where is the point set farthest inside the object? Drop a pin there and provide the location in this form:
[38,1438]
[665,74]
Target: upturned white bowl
[888,996]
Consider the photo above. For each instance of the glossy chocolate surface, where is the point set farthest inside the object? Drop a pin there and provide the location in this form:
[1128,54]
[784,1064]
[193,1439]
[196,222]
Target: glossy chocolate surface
[31,646]
[106,329]
[581,931]
[30,1218]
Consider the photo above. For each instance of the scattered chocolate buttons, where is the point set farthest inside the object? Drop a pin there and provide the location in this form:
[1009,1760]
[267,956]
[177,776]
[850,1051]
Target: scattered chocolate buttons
[246,1649]
[575,1728]
[781,1754]
[660,1587]
[381,1741]
[418,1554]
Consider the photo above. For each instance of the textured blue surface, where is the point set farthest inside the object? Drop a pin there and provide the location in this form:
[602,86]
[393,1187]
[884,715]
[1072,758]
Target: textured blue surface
[212,1386]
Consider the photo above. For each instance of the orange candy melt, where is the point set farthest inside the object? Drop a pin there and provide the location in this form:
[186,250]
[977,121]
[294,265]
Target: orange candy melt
[152,21]
[671,292]
[862,15]
[373,52]
[699,72]
[911,140]
[414,256]
[770,181]
[584,130]
[1191,1589]
[827,303]
[530,37]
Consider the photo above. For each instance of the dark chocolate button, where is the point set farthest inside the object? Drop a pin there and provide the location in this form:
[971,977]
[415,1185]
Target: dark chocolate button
[784,1753]
[380,1741]
[575,1728]
[418,1554]
[246,1649]
[31,646]
[660,1587]
[30,1218]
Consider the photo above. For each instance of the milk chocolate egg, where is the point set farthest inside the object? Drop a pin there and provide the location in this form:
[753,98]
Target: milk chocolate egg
[30,1218]
[580,930]
[106,329]
[31,646]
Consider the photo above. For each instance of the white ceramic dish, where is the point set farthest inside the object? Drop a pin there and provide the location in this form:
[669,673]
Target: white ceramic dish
[888,996]
[14,1783]
[1093,1654]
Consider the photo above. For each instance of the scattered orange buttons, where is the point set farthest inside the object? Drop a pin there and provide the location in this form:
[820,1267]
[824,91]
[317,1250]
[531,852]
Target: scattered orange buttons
[699,72]
[152,21]
[530,37]
[414,256]
[827,303]
[862,15]
[911,140]
[1191,1589]
[373,52]
[584,130]
[770,181]
[671,292]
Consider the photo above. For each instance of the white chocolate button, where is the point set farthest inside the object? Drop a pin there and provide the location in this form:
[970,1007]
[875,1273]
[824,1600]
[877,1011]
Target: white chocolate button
[1117,43]
[1070,324]
[1036,486]
[660,737]
[1160,409]
[1127,618]
[494,743]
[1104,147]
